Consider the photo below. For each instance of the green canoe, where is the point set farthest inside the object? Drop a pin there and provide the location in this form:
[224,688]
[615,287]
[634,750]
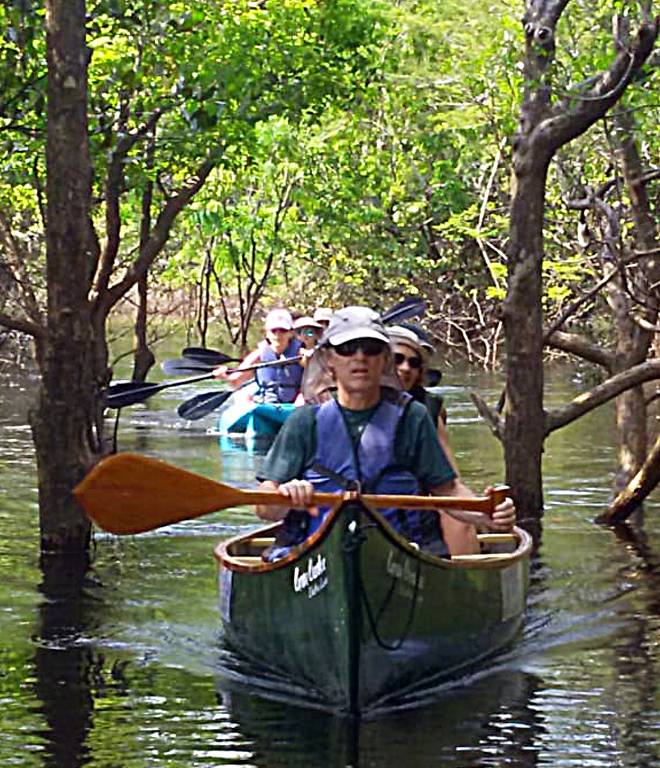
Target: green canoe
[357,616]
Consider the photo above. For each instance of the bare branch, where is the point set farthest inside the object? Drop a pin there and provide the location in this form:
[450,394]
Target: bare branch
[578,345]
[113,189]
[636,491]
[154,245]
[574,306]
[587,401]
[491,417]
[23,325]
[566,123]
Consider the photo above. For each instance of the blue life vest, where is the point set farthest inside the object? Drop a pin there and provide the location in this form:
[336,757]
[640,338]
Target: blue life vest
[337,466]
[281,383]
[373,466]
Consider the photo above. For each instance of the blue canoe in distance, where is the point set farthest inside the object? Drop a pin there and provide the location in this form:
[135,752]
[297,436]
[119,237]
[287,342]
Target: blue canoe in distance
[254,419]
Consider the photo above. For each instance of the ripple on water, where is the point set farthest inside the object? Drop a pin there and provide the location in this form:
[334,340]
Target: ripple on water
[125,670]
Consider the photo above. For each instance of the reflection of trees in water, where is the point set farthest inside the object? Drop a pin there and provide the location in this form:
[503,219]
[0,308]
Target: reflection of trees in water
[68,674]
[634,656]
[488,719]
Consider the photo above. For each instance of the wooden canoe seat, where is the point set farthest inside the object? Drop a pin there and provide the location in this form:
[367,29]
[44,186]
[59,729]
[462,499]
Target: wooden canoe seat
[494,557]
[247,560]
[496,538]
[262,541]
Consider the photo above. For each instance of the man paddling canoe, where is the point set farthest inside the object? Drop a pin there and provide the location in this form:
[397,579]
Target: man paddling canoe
[276,384]
[370,436]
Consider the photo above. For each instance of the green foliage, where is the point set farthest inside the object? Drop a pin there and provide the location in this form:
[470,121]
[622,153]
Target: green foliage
[384,127]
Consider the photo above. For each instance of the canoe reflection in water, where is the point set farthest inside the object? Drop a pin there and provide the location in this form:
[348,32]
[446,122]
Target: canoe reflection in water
[487,721]
[357,617]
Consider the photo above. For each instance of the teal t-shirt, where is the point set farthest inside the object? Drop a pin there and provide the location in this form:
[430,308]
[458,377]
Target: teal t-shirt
[416,445]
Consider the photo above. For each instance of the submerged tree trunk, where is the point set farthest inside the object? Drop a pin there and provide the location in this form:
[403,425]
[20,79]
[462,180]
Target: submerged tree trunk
[63,421]
[523,432]
[545,126]
[636,329]
[143,357]
[632,496]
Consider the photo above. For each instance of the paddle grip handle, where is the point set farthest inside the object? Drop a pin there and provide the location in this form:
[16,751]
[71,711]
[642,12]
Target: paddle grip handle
[497,495]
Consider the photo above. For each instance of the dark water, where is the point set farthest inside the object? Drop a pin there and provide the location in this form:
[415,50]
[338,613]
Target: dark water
[116,665]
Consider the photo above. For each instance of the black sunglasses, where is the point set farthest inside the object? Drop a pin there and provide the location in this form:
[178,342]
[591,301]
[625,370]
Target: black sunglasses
[414,362]
[370,347]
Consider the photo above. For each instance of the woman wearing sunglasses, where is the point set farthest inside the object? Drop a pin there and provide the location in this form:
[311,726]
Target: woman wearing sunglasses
[411,358]
[362,432]
[308,331]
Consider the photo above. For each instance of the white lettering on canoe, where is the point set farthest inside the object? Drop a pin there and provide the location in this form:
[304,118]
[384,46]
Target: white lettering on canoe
[404,570]
[312,577]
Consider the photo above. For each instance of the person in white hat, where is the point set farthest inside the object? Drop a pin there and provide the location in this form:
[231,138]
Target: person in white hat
[279,384]
[308,331]
[323,315]
[363,432]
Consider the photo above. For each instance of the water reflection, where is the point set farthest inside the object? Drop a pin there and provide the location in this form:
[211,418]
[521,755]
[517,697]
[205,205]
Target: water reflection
[115,666]
[63,667]
[487,722]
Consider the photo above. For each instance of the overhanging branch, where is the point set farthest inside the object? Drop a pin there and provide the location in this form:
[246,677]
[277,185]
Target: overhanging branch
[604,392]
[22,325]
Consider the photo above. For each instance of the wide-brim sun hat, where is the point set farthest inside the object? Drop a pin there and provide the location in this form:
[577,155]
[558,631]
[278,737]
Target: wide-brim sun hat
[279,318]
[323,314]
[399,334]
[306,322]
[422,335]
[352,323]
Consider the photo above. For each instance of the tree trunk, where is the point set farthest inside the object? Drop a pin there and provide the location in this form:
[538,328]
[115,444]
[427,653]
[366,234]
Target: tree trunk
[65,417]
[631,435]
[143,357]
[523,432]
[545,126]
[636,491]
[633,340]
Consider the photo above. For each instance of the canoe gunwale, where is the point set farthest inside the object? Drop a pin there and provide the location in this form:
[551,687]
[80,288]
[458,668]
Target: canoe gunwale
[233,562]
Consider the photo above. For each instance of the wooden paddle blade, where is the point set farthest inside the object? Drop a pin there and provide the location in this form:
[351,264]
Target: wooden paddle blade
[201,405]
[179,365]
[128,493]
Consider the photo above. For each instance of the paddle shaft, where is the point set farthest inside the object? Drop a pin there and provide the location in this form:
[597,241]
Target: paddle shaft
[130,493]
[123,395]
[484,504]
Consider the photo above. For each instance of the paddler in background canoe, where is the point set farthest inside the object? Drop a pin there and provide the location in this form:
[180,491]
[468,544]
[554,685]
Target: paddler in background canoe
[308,332]
[323,316]
[411,360]
[368,434]
[279,384]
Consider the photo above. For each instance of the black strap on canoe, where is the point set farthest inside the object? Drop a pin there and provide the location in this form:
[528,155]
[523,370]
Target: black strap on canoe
[353,541]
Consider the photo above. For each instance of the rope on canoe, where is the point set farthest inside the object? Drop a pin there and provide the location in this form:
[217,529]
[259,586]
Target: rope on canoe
[353,541]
